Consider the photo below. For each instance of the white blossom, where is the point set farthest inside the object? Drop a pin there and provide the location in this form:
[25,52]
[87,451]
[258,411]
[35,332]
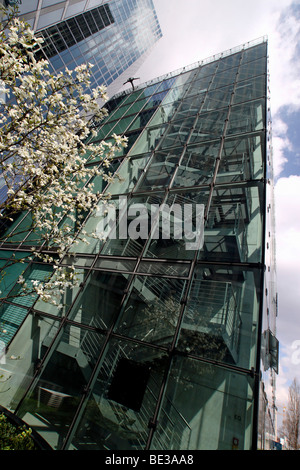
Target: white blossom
[44,149]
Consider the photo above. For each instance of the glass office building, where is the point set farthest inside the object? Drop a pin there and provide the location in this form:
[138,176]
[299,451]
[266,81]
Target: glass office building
[114,35]
[165,344]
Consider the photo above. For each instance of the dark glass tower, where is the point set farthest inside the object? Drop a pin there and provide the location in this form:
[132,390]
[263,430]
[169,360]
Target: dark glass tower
[168,340]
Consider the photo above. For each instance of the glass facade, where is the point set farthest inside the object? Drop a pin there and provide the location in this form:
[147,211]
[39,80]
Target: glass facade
[113,35]
[163,344]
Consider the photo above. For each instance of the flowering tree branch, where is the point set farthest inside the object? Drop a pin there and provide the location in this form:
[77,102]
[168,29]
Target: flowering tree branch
[45,149]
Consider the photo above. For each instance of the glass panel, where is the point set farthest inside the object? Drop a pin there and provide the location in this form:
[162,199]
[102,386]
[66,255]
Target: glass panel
[123,399]
[221,315]
[247,117]
[99,303]
[121,111]
[177,133]
[104,131]
[25,351]
[217,99]
[122,125]
[52,403]
[208,69]
[209,126]
[113,103]
[135,217]
[176,94]
[142,119]
[61,299]
[256,67]
[152,310]
[115,264]
[254,53]
[205,408]
[183,79]
[79,261]
[11,269]
[199,86]
[168,269]
[177,234]
[166,84]
[242,159]
[11,317]
[148,140]
[134,96]
[197,165]
[97,227]
[224,78]
[18,230]
[234,225]
[25,294]
[129,173]
[135,108]
[190,106]
[230,61]
[250,90]
[160,170]
[155,100]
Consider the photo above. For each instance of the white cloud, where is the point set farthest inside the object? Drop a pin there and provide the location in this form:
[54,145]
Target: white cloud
[280,145]
[287,200]
[284,65]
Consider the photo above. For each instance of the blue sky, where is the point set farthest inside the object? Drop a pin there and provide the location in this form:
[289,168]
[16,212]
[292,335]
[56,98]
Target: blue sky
[194,30]
[292,151]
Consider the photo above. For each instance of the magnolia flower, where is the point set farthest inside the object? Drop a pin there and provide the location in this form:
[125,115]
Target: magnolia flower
[45,143]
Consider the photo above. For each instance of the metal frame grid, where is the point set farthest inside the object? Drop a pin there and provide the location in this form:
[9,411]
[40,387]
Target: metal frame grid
[186,321]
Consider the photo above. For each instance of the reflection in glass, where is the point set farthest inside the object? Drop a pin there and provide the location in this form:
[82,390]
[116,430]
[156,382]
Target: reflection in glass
[247,117]
[234,225]
[57,394]
[152,309]
[99,303]
[129,173]
[27,348]
[197,165]
[136,215]
[160,170]
[242,159]
[176,231]
[220,319]
[148,140]
[111,421]
[210,407]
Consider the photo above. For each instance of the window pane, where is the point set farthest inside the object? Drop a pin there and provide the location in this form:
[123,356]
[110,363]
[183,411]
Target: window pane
[99,303]
[178,230]
[234,225]
[55,398]
[197,165]
[123,399]
[221,316]
[24,353]
[152,310]
[205,408]
[159,171]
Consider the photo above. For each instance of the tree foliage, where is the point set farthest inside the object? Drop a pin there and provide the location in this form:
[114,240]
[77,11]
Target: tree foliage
[291,423]
[45,148]
[14,437]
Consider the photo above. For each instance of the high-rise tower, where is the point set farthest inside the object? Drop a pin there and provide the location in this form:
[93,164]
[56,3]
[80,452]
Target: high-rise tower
[114,35]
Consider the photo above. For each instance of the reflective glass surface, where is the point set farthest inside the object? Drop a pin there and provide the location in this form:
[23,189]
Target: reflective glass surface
[158,346]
